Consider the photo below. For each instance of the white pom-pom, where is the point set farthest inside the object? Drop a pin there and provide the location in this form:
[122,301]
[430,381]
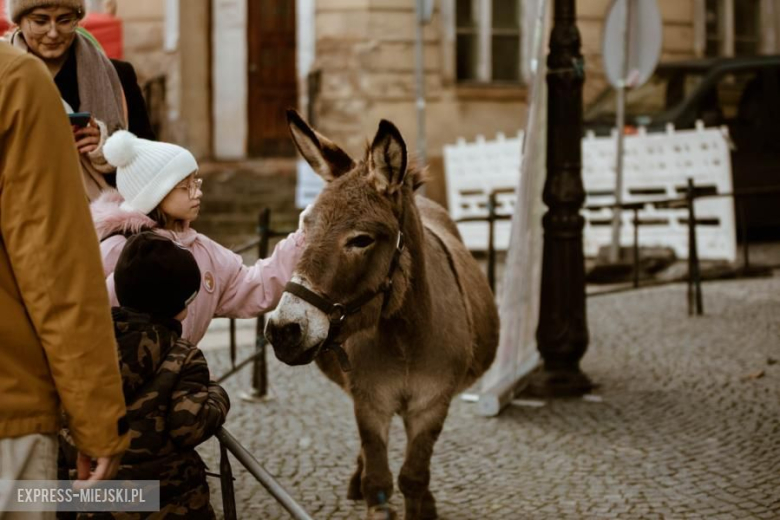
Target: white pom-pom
[119,149]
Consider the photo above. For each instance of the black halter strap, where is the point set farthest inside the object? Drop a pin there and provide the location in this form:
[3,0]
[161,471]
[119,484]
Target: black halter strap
[338,312]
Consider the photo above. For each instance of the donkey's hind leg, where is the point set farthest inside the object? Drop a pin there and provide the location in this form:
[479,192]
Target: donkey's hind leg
[422,430]
[354,492]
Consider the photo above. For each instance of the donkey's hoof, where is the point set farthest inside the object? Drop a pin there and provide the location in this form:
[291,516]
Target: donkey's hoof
[354,492]
[382,512]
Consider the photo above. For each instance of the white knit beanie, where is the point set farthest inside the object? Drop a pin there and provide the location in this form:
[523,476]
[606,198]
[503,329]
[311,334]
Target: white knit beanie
[146,171]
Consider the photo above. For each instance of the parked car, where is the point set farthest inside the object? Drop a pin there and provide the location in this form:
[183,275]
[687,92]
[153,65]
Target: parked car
[740,93]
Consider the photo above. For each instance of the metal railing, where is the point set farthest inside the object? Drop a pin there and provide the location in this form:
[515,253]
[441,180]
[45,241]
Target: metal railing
[694,279]
[692,192]
[491,218]
[228,443]
[259,388]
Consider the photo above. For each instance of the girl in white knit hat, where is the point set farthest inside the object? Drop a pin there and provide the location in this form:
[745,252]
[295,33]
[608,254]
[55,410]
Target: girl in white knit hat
[159,190]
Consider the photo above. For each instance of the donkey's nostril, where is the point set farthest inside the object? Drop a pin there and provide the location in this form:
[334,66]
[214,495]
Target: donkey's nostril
[287,335]
[291,333]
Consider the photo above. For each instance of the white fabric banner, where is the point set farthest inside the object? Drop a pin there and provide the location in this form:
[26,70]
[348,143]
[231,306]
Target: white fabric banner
[519,306]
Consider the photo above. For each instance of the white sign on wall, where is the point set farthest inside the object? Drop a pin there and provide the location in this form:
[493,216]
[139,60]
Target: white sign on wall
[309,185]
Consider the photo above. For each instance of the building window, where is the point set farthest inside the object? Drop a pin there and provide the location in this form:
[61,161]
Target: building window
[746,27]
[488,41]
[732,27]
[713,20]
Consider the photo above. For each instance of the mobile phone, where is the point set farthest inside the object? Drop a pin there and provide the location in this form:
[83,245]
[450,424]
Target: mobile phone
[80,119]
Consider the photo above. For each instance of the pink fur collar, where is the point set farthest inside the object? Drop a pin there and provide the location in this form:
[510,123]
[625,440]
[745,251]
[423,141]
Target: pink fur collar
[109,218]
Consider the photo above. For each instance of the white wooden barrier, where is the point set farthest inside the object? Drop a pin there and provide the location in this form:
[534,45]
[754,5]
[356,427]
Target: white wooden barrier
[657,166]
[473,171]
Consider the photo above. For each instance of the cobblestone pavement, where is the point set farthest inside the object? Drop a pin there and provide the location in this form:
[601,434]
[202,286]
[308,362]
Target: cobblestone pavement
[685,424]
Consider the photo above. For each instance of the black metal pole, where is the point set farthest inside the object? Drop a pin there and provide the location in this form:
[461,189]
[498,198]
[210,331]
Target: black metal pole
[491,241]
[232,343]
[230,373]
[690,256]
[636,247]
[744,233]
[562,334]
[262,476]
[226,482]
[689,197]
[694,274]
[260,368]
[259,390]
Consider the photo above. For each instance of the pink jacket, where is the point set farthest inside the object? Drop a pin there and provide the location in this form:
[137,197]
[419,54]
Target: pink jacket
[229,288]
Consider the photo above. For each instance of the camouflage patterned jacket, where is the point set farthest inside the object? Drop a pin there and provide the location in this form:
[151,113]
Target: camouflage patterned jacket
[172,406]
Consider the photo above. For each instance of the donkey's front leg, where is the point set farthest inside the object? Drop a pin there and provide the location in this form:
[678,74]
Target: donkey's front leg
[422,429]
[376,482]
[355,492]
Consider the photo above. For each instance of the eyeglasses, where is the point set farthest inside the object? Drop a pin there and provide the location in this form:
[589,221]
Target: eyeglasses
[192,186]
[41,26]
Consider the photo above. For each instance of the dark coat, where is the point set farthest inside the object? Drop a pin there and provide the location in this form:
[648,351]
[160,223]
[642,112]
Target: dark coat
[172,406]
[137,113]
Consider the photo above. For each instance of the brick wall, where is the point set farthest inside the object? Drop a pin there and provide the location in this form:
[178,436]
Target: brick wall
[144,25]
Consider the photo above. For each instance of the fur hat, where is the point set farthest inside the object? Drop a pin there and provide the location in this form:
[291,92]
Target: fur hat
[15,9]
[156,276]
[146,171]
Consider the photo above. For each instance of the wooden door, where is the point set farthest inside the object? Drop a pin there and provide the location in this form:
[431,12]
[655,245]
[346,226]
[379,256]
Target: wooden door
[272,76]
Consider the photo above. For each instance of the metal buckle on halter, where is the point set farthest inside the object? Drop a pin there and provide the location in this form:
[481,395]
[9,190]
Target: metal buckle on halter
[342,313]
[399,243]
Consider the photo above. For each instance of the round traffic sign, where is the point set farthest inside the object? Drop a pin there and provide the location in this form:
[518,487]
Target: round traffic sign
[645,37]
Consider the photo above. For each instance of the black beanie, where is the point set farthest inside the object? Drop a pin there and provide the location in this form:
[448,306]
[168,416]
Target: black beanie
[156,276]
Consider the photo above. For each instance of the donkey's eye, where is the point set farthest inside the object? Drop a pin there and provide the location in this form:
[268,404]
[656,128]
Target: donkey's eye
[360,241]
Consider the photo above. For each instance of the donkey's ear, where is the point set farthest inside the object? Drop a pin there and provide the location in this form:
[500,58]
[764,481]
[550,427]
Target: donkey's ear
[387,158]
[325,157]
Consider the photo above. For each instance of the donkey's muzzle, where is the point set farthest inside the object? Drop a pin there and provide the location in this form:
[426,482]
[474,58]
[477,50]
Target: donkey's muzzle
[285,336]
[287,341]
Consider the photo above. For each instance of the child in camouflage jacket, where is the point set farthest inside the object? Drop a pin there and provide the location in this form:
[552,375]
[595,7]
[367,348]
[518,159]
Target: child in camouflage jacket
[172,405]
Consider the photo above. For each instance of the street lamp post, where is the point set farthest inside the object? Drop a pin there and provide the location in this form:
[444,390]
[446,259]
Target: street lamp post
[562,335]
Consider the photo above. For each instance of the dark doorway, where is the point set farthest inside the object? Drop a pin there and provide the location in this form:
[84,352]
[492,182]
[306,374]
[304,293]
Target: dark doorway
[272,76]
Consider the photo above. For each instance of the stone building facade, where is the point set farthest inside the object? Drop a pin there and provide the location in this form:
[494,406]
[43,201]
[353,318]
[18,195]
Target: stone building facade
[363,52]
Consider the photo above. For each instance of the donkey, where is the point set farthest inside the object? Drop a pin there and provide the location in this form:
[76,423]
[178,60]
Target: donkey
[390,304]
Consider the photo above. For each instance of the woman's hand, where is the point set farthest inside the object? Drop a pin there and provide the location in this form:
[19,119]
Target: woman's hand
[88,137]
